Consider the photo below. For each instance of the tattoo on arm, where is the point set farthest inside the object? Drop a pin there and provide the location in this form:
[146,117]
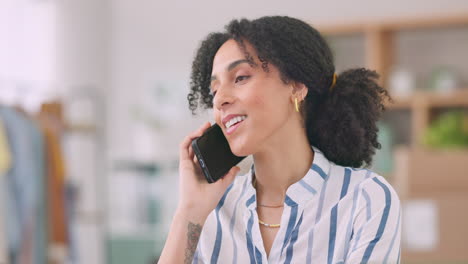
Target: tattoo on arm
[193,235]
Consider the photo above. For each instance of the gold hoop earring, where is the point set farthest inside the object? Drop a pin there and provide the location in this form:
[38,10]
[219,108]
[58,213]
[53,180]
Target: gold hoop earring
[296,104]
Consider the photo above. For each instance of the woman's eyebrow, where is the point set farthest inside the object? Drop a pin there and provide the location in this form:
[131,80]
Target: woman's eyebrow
[232,65]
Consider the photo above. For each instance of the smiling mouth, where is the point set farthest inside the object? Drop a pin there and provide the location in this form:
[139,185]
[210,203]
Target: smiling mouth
[235,121]
[232,124]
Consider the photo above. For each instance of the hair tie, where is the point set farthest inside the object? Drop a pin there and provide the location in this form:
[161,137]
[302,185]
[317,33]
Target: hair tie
[334,81]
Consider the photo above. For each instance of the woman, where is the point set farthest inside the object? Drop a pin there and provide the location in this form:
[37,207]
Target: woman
[305,199]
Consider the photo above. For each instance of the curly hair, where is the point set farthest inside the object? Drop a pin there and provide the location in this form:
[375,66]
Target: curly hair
[341,122]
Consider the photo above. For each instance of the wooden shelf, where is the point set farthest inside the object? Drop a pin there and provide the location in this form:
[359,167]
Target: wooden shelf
[379,36]
[394,24]
[457,98]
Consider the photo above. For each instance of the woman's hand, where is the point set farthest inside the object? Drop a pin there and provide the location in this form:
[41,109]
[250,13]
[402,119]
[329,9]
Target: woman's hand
[196,196]
[197,199]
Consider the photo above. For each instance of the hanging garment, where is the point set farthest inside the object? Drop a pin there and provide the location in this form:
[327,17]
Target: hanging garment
[3,236]
[49,119]
[5,155]
[5,164]
[25,207]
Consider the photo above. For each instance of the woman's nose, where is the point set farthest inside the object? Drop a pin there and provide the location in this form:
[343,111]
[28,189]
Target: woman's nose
[223,98]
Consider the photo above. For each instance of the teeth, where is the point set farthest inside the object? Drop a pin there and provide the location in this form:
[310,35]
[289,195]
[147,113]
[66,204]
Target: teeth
[235,120]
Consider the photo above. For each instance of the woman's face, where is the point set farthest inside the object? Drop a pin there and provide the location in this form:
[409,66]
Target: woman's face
[250,105]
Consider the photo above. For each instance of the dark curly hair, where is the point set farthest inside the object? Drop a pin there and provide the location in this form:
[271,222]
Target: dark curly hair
[340,121]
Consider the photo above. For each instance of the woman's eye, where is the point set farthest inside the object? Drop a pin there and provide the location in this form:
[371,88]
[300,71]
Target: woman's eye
[213,93]
[241,78]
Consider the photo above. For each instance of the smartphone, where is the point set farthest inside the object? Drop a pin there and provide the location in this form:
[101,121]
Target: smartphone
[214,154]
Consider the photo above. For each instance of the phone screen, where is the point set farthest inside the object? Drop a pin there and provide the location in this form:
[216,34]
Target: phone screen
[214,154]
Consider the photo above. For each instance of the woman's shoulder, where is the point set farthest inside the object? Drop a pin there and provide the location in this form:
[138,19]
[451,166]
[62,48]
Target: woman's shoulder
[365,181]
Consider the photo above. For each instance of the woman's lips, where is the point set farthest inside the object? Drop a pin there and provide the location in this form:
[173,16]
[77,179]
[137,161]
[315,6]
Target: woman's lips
[233,128]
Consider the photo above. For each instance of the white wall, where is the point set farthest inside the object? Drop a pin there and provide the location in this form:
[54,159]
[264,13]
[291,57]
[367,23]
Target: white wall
[82,43]
[27,51]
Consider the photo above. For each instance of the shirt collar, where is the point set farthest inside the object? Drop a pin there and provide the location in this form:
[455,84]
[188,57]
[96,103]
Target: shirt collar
[301,191]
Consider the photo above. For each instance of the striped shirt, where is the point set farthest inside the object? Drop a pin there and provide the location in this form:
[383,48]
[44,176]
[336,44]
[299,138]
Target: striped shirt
[334,214]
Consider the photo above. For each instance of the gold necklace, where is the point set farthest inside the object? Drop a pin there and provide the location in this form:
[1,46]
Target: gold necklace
[271,206]
[254,183]
[268,225]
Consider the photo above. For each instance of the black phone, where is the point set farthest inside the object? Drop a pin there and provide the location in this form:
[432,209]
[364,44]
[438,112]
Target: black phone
[214,154]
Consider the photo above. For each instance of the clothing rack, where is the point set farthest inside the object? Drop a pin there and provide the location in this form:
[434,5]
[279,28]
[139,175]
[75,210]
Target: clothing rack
[36,227]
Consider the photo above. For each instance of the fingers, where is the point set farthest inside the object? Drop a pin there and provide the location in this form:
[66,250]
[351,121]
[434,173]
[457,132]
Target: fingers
[186,145]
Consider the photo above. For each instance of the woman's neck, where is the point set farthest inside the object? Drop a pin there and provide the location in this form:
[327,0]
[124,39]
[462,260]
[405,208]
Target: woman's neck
[284,160]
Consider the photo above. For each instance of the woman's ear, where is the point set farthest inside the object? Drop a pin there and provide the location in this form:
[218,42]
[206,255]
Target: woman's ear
[299,90]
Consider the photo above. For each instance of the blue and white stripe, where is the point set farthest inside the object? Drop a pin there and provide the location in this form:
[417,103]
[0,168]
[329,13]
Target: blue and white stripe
[334,214]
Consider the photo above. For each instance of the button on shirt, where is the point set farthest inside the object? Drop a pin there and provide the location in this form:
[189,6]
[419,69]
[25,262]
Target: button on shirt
[334,214]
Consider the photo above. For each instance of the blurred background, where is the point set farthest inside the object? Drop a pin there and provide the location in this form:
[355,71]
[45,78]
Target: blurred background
[93,107]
